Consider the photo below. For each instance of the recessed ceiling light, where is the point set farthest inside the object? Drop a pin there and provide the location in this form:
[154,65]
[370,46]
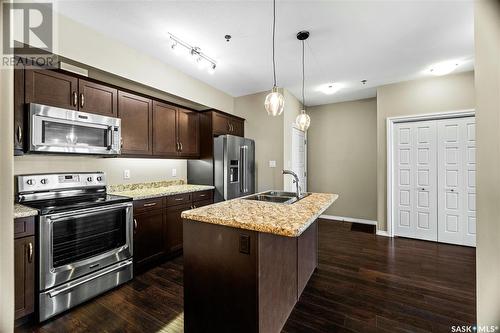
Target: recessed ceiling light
[331,88]
[443,68]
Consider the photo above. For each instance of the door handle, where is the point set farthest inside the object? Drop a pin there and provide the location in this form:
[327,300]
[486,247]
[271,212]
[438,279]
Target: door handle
[30,252]
[19,134]
[75,98]
[82,100]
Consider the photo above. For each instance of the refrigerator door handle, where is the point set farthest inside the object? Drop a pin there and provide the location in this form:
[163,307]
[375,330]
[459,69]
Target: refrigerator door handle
[243,166]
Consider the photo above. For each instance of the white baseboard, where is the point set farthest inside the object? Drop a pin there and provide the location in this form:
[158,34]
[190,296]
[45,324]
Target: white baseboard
[383,233]
[348,219]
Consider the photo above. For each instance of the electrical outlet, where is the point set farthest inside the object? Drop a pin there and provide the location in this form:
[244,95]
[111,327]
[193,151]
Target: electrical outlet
[126,174]
[174,172]
[272,164]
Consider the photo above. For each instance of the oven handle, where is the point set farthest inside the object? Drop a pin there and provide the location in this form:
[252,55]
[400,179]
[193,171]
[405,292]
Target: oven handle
[88,211]
[70,285]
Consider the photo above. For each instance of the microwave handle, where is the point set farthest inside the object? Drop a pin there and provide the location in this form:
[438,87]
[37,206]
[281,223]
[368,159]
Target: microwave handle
[110,137]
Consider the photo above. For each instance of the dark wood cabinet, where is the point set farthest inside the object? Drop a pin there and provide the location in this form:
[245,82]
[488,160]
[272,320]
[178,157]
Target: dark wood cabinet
[226,124]
[97,98]
[24,267]
[164,130]
[51,88]
[149,236]
[174,226]
[20,128]
[136,115]
[188,123]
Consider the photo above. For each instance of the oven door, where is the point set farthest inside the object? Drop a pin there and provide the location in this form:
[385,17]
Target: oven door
[56,130]
[74,244]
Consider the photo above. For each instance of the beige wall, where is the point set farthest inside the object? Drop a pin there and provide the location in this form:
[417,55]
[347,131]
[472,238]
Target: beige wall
[342,156]
[141,169]
[267,132]
[487,65]
[292,110]
[440,94]
[6,197]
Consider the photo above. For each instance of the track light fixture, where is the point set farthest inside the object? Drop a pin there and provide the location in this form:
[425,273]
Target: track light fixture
[193,52]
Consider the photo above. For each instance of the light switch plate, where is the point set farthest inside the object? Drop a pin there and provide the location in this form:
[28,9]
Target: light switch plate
[174,172]
[272,164]
[126,174]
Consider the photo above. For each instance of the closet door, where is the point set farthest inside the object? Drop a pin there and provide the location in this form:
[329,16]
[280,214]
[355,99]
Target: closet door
[457,181]
[415,180]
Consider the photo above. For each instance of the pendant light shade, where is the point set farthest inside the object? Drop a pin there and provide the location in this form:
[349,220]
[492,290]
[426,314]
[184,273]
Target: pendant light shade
[275,102]
[303,120]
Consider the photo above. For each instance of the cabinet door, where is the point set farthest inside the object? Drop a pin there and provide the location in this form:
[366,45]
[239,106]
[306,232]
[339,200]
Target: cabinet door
[51,88]
[202,203]
[174,227]
[149,236]
[188,123]
[136,115]
[237,127]
[164,129]
[220,124]
[24,284]
[97,98]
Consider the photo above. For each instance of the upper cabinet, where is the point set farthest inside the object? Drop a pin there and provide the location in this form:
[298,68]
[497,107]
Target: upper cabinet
[188,123]
[51,88]
[165,142]
[136,113]
[97,98]
[226,124]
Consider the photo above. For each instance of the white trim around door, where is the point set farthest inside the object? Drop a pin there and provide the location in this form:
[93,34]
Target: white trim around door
[390,123]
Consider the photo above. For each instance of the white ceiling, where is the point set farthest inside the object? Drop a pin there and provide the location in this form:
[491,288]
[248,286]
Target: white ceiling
[380,41]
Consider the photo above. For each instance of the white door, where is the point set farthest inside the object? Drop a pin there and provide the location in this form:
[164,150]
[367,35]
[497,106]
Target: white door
[457,181]
[299,159]
[415,180]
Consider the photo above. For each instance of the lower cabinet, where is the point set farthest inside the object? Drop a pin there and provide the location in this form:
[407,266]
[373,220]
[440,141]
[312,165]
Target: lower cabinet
[24,267]
[158,226]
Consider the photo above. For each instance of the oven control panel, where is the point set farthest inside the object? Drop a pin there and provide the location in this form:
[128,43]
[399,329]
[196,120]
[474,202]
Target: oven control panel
[48,182]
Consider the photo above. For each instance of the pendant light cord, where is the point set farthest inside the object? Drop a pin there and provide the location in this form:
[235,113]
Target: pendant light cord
[303,77]
[274,32]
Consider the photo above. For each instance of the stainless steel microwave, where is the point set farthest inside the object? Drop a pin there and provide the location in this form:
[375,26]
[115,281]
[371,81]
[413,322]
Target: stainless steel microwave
[56,130]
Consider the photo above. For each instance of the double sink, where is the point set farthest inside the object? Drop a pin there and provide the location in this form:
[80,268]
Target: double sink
[286,198]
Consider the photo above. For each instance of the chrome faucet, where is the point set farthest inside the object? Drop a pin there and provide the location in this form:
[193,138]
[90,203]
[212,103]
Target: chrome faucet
[295,180]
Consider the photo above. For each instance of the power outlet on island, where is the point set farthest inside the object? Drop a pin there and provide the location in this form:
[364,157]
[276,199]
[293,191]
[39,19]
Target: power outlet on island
[272,164]
[174,172]
[126,174]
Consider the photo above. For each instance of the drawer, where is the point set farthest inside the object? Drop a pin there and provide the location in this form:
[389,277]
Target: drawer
[203,195]
[178,199]
[145,205]
[24,226]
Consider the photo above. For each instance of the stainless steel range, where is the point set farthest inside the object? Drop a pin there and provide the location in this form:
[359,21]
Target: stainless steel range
[84,237]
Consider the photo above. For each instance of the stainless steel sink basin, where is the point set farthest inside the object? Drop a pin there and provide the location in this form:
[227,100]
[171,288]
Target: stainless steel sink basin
[277,197]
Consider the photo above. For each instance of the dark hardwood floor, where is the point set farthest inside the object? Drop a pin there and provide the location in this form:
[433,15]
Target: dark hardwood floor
[364,283]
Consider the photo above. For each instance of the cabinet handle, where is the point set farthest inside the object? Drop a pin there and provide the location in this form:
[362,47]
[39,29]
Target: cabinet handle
[180,144]
[19,134]
[177,146]
[194,206]
[30,252]
[135,224]
[121,142]
[82,100]
[202,195]
[150,204]
[179,199]
[75,98]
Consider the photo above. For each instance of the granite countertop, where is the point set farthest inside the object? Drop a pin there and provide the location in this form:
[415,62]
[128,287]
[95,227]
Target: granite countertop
[279,219]
[23,211]
[155,190]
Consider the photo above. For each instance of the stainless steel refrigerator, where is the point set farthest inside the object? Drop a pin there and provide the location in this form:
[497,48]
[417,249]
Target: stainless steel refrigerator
[230,168]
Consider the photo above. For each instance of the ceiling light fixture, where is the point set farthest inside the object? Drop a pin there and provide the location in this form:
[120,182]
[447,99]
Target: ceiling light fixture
[275,102]
[443,68]
[193,52]
[303,120]
[331,88]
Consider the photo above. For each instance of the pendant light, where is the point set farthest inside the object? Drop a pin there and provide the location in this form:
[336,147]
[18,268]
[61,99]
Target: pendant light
[303,120]
[275,101]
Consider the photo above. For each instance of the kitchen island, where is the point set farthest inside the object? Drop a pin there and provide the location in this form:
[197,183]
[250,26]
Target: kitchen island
[247,262]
